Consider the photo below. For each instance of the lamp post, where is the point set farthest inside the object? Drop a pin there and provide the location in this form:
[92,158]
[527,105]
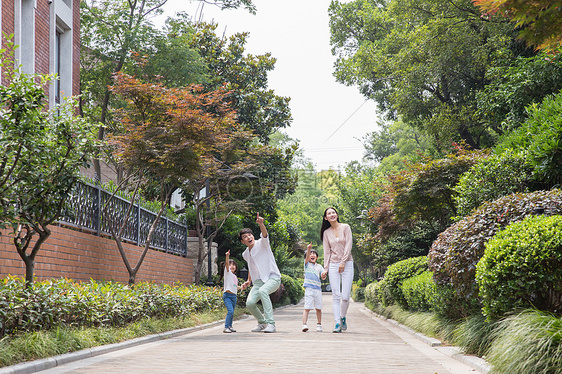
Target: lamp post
[208,230]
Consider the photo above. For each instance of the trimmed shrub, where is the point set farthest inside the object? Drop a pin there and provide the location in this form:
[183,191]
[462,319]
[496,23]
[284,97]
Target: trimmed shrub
[419,292]
[492,178]
[521,267]
[457,250]
[377,293]
[294,290]
[398,272]
[358,292]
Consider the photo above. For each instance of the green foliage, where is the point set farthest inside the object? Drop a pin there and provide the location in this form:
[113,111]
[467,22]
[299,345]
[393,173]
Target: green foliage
[293,288]
[397,273]
[394,144]
[53,303]
[492,178]
[409,242]
[541,138]
[514,86]
[419,292]
[422,61]
[457,250]
[528,342]
[357,292]
[521,267]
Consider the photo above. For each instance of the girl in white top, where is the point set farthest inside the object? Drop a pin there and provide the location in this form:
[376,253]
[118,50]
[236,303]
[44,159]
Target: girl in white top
[230,289]
[338,264]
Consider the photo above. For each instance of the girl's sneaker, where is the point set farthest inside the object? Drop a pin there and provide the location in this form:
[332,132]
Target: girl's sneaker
[318,328]
[231,329]
[227,330]
[343,324]
[304,328]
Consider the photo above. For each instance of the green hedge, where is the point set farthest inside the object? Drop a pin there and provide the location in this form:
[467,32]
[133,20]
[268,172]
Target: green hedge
[457,250]
[63,302]
[522,267]
[419,292]
[397,273]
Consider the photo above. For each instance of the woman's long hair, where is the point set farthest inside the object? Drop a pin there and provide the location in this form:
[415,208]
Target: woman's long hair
[325,223]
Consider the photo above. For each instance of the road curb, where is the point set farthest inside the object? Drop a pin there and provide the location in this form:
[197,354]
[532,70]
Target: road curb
[474,362]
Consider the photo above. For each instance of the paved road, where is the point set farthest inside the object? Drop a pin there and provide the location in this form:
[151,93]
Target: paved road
[370,345]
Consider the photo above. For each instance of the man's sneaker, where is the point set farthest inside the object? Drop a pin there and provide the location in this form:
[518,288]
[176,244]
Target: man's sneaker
[343,324]
[259,327]
[337,328]
[304,328]
[232,329]
[269,328]
[318,328]
[227,330]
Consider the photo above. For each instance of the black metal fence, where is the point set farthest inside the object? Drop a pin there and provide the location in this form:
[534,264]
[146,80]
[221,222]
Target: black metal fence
[86,212]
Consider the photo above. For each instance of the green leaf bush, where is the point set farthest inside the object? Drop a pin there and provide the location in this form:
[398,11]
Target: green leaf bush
[376,293]
[521,267]
[491,178]
[62,302]
[293,288]
[398,272]
[540,136]
[357,292]
[457,250]
[419,292]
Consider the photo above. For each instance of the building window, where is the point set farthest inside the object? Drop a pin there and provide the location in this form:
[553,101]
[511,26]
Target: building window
[24,34]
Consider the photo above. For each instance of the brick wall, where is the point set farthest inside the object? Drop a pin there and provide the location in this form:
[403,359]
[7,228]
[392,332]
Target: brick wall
[81,256]
[42,35]
[7,25]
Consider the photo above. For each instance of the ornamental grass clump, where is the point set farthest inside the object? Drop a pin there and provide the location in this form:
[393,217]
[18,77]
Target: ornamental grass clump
[528,342]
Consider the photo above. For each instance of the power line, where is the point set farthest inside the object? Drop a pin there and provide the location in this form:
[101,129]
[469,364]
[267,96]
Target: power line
[344,122]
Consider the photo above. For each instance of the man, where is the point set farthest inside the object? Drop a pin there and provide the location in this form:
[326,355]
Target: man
[263,273]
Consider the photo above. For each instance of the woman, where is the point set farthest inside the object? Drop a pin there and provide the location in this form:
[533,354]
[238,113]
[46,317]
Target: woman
[338,264]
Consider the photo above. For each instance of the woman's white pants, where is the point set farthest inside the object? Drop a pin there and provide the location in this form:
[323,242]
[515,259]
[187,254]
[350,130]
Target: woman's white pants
[341,288]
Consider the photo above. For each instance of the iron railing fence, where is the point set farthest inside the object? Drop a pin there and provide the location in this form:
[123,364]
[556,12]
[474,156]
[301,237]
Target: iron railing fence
[86,212]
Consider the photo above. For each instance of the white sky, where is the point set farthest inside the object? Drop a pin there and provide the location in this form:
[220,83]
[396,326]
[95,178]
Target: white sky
[329,119]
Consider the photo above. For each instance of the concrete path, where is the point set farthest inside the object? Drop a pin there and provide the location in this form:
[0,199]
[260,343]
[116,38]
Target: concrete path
[370,345]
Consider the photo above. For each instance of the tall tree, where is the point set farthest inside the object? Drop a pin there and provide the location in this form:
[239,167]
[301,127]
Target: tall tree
[188,138]
[421,60]
[112,31]
[43,151]
[258,108]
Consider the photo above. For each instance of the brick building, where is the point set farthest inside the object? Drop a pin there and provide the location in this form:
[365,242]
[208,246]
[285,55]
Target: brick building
[47,36]
[47,33]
